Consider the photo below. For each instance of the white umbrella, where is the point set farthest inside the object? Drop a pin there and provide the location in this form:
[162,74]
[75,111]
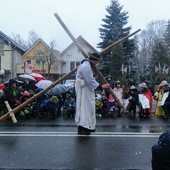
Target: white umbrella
[26,76]
[43,84]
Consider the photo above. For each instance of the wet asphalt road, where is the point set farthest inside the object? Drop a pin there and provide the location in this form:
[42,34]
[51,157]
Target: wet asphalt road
[54,144]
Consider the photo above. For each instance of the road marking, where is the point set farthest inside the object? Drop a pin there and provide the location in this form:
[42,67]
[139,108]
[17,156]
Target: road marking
[74,134]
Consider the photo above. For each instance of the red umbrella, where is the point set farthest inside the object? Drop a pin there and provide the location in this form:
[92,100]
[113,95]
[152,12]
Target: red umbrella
[2,86]
[37,76]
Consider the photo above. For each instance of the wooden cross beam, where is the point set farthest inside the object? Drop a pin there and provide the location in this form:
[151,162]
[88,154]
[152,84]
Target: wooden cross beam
[98,73]
[118,42]
[20,107]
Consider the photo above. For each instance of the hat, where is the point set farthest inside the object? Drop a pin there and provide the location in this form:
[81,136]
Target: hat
[164,83]
[108,76]
[12,81]
[97,96]
[117,82]
[143,85]
[94,56]
[26,93]
[98,103]
[54,99]
[132,87]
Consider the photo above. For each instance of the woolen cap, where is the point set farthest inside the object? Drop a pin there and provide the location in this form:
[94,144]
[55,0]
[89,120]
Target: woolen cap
[94,56]
[54,99]
[12,81]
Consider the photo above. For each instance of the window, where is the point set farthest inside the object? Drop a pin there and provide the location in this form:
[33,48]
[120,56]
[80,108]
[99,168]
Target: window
[28,61]
[77,63]
[74,64]
[38,62]
[53,61]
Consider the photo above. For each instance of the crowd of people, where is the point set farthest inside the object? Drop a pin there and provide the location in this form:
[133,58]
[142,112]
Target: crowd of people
[87,97]
[16,92]
[136,101]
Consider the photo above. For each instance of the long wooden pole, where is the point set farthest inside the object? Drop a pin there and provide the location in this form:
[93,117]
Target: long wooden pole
[118,42]
[103,80]
[20,107]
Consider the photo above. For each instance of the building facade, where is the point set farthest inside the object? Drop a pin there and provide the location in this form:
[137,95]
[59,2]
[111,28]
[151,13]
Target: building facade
[42,59]
[72,56]
[10,56]
[15,60]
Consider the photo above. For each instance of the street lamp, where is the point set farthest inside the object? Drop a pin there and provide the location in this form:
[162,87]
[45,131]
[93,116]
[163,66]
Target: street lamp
[2,72]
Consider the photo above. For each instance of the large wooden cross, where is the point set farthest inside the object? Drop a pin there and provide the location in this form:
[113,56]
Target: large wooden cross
[98,73]
[34,97]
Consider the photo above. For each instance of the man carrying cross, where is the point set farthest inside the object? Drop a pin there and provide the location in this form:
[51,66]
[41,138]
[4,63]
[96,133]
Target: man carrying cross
[85,86]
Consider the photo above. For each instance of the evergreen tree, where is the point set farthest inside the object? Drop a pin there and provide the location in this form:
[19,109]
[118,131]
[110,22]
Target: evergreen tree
[113,29]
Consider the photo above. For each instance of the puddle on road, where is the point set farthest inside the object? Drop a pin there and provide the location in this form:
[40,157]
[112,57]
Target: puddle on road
[133,128]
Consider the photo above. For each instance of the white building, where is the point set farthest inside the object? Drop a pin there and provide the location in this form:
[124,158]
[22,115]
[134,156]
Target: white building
[10,56]
[72,55]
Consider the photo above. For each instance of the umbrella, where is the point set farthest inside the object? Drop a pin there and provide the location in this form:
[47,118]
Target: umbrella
[26,76]
[43,84]
[58,89]
[18,82]
[37,76]
[2,86]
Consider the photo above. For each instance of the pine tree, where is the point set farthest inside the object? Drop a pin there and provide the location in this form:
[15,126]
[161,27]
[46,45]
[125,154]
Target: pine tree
[113,29]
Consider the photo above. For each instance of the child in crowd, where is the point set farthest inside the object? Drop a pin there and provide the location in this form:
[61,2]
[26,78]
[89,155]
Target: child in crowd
[112,107]
[118,90]
[132,98]
[69,106]
[99,105]
[48,107]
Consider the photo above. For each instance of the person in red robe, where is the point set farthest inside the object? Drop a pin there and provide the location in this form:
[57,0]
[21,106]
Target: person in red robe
[145,100]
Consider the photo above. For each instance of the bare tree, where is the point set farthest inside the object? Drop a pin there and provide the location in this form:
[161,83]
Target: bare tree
[146,40]
[32,38]
[20,40]
[47,57]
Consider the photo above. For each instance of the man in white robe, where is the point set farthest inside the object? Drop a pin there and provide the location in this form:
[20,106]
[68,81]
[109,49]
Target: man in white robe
[85,86]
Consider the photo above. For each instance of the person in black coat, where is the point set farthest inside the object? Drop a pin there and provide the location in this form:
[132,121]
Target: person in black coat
[166,105]
[161,153]
[12,93]
[132,96]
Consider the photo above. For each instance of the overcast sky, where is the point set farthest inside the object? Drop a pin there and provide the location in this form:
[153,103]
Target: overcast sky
[82,17]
